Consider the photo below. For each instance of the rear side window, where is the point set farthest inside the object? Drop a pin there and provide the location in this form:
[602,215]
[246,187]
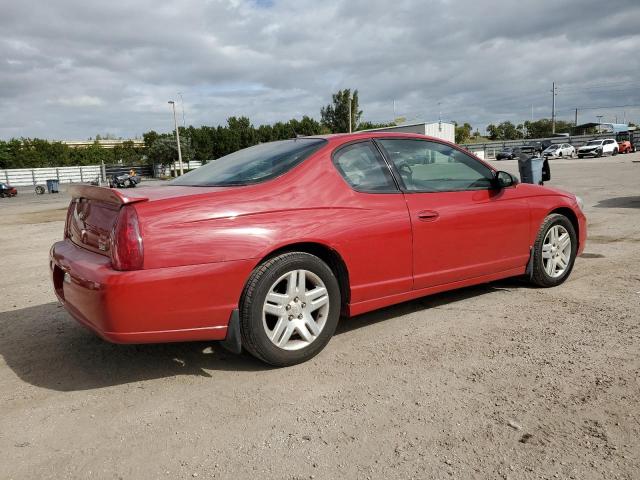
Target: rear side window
[363,168]
[252,165]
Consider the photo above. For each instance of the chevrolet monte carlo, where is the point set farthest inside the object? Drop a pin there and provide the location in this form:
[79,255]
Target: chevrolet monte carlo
[265,249]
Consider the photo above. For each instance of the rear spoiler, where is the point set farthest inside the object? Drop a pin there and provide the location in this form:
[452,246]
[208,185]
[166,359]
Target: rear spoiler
[104,194]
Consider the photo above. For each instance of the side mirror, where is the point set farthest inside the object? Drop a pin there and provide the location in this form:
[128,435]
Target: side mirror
[503,180]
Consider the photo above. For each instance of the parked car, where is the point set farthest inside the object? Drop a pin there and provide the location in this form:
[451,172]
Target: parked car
[625,146]
[598,148]
[265,248]
[7,190]
[559,150]
[506,154]
[538,146]
[530,150]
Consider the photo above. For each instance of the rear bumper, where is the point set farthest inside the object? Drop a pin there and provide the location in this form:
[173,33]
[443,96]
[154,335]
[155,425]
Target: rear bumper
[172,304]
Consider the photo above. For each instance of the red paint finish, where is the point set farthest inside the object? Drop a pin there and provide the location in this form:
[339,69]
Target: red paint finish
[625,147]
[200,245]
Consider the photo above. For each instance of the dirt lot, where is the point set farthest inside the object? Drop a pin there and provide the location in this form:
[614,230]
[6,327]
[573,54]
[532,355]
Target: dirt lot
[496,381]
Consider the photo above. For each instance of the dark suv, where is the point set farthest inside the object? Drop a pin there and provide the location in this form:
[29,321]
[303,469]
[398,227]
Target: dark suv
[506,154]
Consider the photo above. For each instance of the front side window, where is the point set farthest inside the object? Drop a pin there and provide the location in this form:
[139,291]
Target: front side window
[252,165]
[426,166]
[362,167]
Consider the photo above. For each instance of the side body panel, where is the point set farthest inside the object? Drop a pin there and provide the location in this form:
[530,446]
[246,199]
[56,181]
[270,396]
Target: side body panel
[312,203]
[472,233]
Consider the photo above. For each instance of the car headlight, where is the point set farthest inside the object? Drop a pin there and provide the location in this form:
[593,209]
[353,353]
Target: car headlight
[580,203]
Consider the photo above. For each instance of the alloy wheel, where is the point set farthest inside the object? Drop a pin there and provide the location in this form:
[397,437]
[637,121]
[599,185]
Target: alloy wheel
[556,251]
[295,310]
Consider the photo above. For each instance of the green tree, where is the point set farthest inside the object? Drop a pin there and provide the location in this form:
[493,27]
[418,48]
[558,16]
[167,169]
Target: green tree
[335,116]
[367,125]
[127,154]
[164,150]
[150,137]
[543,128]
[504,131]
[463,132]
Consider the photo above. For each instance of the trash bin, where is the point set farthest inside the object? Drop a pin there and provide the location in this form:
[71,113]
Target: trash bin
[52,185]
[530,169]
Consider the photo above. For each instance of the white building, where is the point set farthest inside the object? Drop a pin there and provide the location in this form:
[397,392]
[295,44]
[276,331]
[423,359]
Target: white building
[442,130]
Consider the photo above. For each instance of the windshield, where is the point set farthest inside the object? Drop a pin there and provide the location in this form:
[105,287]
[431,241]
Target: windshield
[594,142]
[252,165]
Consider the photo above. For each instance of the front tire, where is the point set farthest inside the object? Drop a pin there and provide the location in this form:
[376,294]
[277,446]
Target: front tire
[554,251]
[289,309]
[615,152]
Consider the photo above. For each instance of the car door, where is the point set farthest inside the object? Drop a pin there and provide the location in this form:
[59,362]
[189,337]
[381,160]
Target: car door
[378,239]
[608,147]
[462,226]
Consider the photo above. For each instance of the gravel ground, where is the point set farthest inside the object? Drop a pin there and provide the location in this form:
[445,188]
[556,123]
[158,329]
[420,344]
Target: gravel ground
[495,381]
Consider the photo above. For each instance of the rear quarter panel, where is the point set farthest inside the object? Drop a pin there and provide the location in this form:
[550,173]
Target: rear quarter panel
[371,232]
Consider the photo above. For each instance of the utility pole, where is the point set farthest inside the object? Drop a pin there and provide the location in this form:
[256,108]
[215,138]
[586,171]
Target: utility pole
[349,99]
[576,119]
[532,113]
[599,117]
[554,92]
[175,122]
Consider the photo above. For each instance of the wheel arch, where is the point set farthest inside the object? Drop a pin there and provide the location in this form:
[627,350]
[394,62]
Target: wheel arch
[328,255]
[571,215]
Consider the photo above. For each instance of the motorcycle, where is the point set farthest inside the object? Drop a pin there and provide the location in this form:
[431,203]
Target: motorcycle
[124,181]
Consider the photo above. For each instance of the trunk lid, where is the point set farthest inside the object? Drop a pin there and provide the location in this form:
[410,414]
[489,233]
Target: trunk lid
[93,211]
[92,214]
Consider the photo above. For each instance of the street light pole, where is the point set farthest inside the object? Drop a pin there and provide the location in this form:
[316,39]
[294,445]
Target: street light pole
[182,105]
[175,122]
[554,92]
[349,100]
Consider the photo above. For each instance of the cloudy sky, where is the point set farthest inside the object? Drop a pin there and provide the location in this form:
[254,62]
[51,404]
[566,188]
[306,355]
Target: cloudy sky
[71,69]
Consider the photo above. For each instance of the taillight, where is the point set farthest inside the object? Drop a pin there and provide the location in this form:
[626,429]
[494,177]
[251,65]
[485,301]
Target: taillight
[126,241]
[67,222]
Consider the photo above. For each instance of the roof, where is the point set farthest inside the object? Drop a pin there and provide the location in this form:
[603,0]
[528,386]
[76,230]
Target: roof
[615,127]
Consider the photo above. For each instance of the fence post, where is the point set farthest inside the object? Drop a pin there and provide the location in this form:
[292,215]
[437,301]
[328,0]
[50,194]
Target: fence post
[81,178]
[6,175]
[33,176]
[57,174]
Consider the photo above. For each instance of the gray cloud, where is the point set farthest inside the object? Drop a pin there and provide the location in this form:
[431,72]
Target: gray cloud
[72,69]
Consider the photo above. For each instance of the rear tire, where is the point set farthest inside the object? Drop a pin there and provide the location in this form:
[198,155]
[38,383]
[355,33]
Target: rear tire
[552,257]
[289,309]
[615,152]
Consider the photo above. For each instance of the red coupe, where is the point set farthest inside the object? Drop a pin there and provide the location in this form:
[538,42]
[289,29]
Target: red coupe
[266,248]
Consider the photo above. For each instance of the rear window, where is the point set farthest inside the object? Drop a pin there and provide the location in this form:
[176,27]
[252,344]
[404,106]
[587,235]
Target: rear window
[252,165]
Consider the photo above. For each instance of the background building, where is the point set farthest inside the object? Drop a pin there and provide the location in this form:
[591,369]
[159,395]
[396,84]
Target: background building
[443,130]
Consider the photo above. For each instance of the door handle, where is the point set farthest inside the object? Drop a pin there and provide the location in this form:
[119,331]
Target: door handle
[428,215]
